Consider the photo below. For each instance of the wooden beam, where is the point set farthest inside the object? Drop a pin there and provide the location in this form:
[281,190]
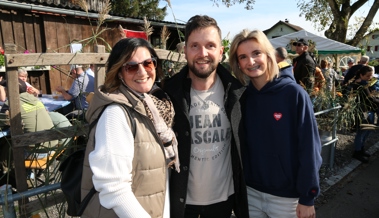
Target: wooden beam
[30,138]
[16,127]
[170,55]
[47,59]
[99,68]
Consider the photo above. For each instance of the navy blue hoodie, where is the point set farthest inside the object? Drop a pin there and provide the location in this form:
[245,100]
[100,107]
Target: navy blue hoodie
[283,147]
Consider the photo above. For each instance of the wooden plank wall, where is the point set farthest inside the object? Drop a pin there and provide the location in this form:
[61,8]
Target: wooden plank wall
[24,30]
[50,33]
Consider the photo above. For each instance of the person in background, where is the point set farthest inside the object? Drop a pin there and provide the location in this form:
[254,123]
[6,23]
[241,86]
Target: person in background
[350,63]
[34,116]
[3,94]
[2,77]
[319,81]
[171,70]
[90,70]
[367,103]
[330,75]
[303,65]
[82,85]
[207,123]
[23,75]
[130,169]
[352,72]
[281,55]
[60,121]
[282,153]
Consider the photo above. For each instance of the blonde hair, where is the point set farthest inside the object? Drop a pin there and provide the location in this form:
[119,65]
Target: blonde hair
[267,48]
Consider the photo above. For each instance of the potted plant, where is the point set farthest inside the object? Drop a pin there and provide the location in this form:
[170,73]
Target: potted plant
[337,110]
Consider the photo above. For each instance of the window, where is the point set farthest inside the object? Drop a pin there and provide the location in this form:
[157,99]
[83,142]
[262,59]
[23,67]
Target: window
[376,47]
[368,48]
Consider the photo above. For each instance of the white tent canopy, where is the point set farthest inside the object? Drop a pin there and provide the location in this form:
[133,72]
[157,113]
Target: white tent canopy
[324,46]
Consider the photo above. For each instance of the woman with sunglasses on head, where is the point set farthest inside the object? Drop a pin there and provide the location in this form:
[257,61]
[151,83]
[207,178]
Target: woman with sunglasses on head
[129,169]
[282,157]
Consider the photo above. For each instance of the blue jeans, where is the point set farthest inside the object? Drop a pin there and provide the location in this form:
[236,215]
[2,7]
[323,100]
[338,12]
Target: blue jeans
[362,135]
[220,210]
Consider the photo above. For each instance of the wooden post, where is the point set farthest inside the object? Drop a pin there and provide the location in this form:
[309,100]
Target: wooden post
[16,124]
[99,68]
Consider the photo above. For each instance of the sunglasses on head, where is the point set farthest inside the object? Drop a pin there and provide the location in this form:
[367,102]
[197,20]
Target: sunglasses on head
[148,64]
[297,44]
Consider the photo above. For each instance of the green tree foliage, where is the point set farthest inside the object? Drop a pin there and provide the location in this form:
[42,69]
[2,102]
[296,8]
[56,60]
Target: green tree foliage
[333,16]
[228,3]
[139,8]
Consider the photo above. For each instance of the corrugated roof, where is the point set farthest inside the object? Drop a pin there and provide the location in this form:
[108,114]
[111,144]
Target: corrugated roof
[94,6]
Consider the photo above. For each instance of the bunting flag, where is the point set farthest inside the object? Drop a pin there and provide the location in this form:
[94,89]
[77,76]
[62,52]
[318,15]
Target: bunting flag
[135,34]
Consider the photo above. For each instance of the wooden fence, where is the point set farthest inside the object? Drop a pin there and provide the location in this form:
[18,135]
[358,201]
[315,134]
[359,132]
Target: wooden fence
[20,140]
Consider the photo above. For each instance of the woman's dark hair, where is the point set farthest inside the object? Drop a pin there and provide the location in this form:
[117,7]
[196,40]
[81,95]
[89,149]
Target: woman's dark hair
[362,71]
[121,52]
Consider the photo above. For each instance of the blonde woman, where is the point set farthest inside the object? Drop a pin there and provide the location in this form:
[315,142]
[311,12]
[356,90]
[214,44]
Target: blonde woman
[282,154]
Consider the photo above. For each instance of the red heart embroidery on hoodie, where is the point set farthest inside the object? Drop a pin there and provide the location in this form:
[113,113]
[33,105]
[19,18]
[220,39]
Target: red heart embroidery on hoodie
[277,116]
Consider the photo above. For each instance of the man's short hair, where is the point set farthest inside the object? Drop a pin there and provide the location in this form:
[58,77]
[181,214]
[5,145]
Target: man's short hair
[282,52]
[200,22]
[364,59]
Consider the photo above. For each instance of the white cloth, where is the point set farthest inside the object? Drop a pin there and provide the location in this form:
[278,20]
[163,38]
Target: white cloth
[111,164]
[210,174]
[263,205]
[90,72]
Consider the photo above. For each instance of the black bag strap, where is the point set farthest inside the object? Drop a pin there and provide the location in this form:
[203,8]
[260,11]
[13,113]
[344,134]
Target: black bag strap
[133,127]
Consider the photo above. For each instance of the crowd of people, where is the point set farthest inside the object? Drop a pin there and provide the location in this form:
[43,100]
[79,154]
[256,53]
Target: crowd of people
[206,143]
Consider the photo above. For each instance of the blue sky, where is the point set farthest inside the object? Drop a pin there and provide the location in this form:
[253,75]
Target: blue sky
[232,20]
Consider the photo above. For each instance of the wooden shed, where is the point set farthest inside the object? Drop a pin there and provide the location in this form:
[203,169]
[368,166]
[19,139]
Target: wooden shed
[47,26]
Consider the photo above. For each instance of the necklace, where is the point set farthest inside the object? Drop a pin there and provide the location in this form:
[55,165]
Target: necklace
[205,104]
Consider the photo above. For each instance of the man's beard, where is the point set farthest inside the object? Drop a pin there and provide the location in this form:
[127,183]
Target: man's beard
[202,73]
